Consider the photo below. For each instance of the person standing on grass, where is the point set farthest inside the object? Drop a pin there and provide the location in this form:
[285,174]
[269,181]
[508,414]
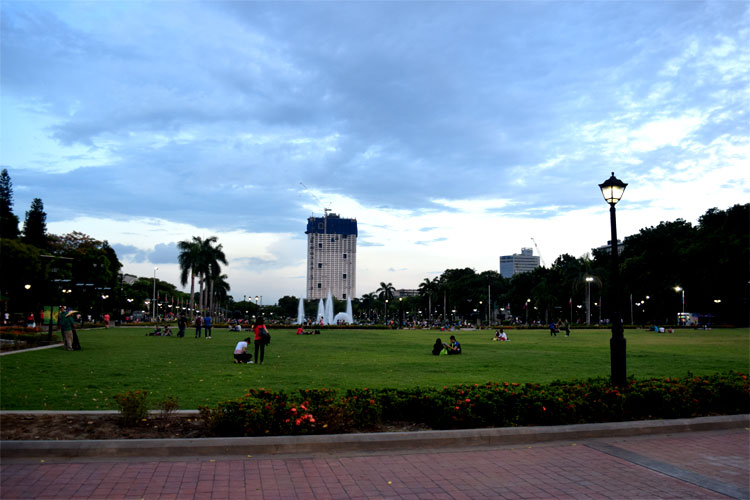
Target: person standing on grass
[198,324]
[207,325]
[181,325]
[260,342]
[67,327]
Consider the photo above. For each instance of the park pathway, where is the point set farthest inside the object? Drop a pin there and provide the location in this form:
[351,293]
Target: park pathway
[687,465]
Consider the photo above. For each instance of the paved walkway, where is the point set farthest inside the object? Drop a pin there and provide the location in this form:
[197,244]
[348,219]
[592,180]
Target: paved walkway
[687,465]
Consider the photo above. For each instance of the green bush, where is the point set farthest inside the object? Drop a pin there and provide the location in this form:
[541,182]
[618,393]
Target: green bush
[133,407]
[492,404]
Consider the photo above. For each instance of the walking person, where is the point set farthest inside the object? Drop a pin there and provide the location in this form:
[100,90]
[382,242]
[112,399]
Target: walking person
[207,325]
[261,339]
[181,325]
[198,324]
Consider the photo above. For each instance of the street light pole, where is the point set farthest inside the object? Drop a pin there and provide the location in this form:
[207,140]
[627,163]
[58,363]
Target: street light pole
[589,279]
[153,315]
[612,190]
[680,289]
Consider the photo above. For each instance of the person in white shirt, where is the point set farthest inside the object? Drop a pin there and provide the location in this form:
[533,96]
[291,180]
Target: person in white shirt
[241,355]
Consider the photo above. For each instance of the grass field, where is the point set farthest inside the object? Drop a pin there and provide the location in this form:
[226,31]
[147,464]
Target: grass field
[201,372]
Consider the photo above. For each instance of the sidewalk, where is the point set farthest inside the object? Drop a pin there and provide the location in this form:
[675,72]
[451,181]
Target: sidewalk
[694,464]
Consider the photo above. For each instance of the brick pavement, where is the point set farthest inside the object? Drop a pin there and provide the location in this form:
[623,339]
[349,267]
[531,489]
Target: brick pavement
[689,465]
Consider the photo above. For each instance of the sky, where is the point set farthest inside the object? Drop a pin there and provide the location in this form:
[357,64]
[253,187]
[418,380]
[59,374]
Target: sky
[454,132]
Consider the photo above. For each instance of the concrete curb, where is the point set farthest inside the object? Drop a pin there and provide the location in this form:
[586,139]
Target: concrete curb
[352,443]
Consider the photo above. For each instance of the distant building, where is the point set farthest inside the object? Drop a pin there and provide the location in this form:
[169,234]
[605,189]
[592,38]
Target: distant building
[608,247]
[405,292]
[331,257]
[518,263]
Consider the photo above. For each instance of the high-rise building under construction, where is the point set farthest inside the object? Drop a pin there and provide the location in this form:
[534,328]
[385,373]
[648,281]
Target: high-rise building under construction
[331,257]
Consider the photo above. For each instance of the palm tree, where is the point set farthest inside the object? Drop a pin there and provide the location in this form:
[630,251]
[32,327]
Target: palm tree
[385,291]
[214,256]
[367,300]
[188,260]
[220,288]
[427,288]
[208,266]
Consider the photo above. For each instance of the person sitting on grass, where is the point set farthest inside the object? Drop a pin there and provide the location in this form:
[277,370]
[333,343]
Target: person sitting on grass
[241,356]
[155,333]
[437,348]
[500,336]
[167,332]
[455,346]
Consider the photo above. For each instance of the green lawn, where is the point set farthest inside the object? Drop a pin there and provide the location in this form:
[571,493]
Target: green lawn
[201,372]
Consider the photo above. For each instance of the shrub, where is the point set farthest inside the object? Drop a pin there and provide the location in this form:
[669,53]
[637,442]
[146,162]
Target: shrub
[168,406]
[133,407]
[493,404]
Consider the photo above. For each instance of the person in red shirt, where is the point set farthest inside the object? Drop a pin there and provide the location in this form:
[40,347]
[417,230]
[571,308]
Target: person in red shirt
[260,342]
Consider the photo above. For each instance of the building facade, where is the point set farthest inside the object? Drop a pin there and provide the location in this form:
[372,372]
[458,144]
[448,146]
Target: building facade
[331,257]
[518,263]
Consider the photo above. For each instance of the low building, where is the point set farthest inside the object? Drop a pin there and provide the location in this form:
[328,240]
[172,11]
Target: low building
[518,263]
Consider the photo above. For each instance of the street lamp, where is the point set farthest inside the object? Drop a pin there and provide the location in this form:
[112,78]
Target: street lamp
[589,279]
[153,302]
[679,289]
[385,312]
[526,306]
[400,312]
[612,190]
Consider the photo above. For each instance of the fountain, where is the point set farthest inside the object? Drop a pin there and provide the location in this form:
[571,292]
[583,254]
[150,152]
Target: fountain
[301,312]
[321,313]
[329,309]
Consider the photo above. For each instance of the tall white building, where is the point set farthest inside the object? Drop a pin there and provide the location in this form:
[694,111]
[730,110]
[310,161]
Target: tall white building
[518,263]
[331,257]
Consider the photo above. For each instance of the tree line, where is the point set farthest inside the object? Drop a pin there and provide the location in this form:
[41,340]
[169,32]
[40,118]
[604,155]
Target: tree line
[709,262]
[75,269]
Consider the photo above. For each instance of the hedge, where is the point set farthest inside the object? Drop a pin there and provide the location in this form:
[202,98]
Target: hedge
[493,404]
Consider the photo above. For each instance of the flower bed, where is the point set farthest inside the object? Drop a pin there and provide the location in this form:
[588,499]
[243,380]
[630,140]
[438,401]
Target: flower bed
[21,337]
[322,411]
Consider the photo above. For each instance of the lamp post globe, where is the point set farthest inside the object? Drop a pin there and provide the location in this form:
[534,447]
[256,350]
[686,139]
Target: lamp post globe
[612,190]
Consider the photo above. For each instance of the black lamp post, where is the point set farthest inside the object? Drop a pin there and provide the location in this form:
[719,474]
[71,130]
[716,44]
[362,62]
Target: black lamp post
[613,189]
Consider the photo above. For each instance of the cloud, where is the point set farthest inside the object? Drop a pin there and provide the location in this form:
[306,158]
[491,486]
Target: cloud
[428,242]
[164,253]
[475,125]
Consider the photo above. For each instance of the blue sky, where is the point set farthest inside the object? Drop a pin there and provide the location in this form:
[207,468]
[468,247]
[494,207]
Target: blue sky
[454,132]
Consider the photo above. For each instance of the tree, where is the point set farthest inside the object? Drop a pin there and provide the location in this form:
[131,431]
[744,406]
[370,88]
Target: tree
[95,268]
[21,265]
[188,259]
[220,289]
[289,305]
[8,220]
[210,257]
[35,225]
[385,291]
[427,289]
[368,300]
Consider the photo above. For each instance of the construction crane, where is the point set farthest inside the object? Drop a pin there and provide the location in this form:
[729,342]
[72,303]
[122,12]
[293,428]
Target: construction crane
[539,253]
[325,209]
